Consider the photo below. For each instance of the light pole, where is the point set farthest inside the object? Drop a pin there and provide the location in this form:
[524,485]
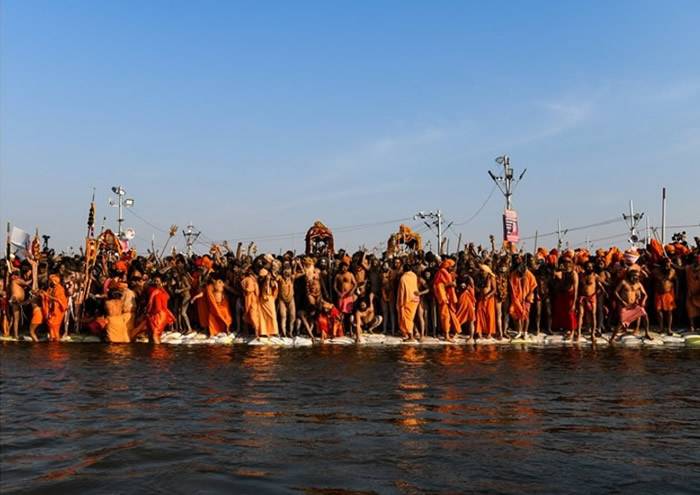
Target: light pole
[506,183]
[436,217]
[191,236]
[120,203]
[633,220]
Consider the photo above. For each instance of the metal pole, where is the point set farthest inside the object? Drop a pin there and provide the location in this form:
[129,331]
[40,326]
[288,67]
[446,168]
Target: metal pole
[558,234]
[439,230]
[536,234]
[646,233]
[663,216]
[120,219]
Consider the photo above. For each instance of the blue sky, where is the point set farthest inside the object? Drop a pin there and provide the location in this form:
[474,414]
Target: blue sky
[253,119]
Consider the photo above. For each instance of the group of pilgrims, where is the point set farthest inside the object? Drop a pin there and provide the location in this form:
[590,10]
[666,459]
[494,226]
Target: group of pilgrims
[476,293]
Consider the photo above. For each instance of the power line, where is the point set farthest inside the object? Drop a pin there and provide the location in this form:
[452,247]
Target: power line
[574,229]
[479,210]
[131,211]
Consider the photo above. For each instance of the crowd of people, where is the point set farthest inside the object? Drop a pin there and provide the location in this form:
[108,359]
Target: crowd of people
[477,292]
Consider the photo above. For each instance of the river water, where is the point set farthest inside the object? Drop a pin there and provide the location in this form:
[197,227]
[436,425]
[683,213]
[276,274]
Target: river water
[93,418]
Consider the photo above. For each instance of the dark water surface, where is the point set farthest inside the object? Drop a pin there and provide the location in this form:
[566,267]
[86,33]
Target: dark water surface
[330,419]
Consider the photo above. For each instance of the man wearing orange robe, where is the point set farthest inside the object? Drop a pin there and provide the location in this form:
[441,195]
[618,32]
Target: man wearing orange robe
[55,305]
[268,309]
[466,305]
[159,316]
[486,303]
[664,277]
[407,301]
[522,294]
[251,301]
[218,309]
[446,298]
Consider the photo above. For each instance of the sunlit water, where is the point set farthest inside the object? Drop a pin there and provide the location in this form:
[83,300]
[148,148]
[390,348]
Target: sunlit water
[331,419]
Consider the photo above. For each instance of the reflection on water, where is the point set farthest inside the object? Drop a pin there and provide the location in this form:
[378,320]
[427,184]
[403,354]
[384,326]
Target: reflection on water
[335,419]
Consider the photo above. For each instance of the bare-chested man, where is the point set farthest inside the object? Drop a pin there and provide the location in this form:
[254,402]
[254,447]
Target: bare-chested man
[632,297]
[344,286]
[287,306]
[364,318]
[587,300]
[18,296]
[664,277]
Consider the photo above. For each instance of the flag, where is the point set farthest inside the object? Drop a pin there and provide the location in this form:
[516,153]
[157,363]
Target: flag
[19,242]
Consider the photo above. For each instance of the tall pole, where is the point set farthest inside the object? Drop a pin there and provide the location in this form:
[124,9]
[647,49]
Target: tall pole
[437,218]
[506,182]
[191,236]
[559,234]
[121,214]
[633,219]
[439,230]
[121,203]
[646,230]
[663,216]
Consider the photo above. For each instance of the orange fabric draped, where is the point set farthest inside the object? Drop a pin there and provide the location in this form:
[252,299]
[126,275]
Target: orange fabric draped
[268,313]
[486,314]
[466,306]
[251,302]
[200,304]
[219,313]
[446,297]
[159,316]
[665,302]
[522,290]
[407,301]
[55,310]
[656,250]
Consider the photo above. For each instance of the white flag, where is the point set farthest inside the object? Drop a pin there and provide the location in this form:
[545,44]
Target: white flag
[19,242]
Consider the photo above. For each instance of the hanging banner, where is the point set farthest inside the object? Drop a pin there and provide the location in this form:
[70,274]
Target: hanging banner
[511,232]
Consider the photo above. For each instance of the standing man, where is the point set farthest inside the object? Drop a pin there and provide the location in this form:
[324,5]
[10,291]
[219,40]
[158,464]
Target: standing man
[446,297]
[632,297]
[345,285]
[55,307]
[407,301]
[159,316]
[665,293]
[522,285]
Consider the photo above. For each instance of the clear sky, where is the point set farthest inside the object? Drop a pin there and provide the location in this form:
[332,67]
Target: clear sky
[253,119]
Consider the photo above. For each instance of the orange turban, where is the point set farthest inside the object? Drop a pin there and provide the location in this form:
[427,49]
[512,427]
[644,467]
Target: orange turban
[207,262]
[55,279]
[121,266]
[447,264]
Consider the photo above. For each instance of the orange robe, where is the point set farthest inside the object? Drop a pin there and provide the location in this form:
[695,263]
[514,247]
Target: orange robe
[522,293]
[37,316]
[446,299]
[219,313]
[251,302]
[200,304]
[407,302]
[486,314]
[55,310]
[268,313]
[159,316]
[466,311]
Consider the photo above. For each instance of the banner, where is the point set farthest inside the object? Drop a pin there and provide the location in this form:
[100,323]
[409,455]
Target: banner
[511,232]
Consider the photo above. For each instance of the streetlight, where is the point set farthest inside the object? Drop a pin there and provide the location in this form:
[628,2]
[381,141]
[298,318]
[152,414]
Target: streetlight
[120,203]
